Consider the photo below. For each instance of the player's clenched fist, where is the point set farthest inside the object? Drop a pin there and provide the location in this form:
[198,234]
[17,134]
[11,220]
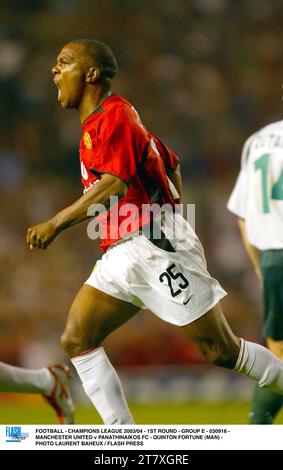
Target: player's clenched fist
[42,235]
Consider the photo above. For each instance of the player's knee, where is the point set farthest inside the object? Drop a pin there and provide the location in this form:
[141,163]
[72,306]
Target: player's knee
[74,345]
[69,344]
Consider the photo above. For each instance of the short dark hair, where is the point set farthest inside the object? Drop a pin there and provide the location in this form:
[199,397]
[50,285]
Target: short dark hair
[101,55]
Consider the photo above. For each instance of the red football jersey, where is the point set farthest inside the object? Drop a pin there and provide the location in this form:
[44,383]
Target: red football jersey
[115,141]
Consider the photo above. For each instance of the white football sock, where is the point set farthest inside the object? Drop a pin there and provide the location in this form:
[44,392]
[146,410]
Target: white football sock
[19,380]
[102,385]
[260,364]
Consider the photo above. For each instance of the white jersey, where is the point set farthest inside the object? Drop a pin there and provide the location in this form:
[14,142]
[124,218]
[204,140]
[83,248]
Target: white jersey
[258,193]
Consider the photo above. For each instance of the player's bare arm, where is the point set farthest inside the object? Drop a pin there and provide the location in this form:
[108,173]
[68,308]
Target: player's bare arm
[253,252]
[43,234]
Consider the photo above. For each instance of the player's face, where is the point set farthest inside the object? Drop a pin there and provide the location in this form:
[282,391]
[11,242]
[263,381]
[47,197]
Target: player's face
[69,76]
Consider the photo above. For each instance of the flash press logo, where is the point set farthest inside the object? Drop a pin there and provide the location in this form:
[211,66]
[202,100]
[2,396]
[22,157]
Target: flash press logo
[15,434]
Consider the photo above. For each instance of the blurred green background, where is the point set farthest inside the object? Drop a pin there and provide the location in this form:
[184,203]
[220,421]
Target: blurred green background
[193,412]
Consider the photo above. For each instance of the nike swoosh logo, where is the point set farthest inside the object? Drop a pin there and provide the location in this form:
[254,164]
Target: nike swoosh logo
[185,303]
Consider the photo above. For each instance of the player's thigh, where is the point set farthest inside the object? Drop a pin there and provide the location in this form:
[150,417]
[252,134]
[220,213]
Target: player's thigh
[213,335]
[96,314]
[275,346]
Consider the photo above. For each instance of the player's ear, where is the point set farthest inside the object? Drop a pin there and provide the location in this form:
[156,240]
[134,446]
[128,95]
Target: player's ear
[92,74]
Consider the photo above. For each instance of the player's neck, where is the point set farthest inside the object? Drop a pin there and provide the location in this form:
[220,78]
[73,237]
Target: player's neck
[91,101]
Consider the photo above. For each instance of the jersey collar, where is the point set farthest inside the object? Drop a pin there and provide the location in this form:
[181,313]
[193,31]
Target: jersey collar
[98,110]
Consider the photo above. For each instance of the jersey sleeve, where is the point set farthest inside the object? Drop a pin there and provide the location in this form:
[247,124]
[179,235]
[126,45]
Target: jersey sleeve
[118,149]
[170,159]
[237,202]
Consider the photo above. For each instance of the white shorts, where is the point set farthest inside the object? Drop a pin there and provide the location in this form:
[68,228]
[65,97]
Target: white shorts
[176,286]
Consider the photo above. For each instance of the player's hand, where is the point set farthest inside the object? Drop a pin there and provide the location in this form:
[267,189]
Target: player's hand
[42,235]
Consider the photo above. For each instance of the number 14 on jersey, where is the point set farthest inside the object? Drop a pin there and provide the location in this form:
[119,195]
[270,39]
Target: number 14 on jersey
[262,164]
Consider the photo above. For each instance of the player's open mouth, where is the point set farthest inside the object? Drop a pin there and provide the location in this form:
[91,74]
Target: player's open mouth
[59,88]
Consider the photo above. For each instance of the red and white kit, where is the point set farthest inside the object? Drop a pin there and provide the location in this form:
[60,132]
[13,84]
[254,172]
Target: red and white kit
[174,283]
